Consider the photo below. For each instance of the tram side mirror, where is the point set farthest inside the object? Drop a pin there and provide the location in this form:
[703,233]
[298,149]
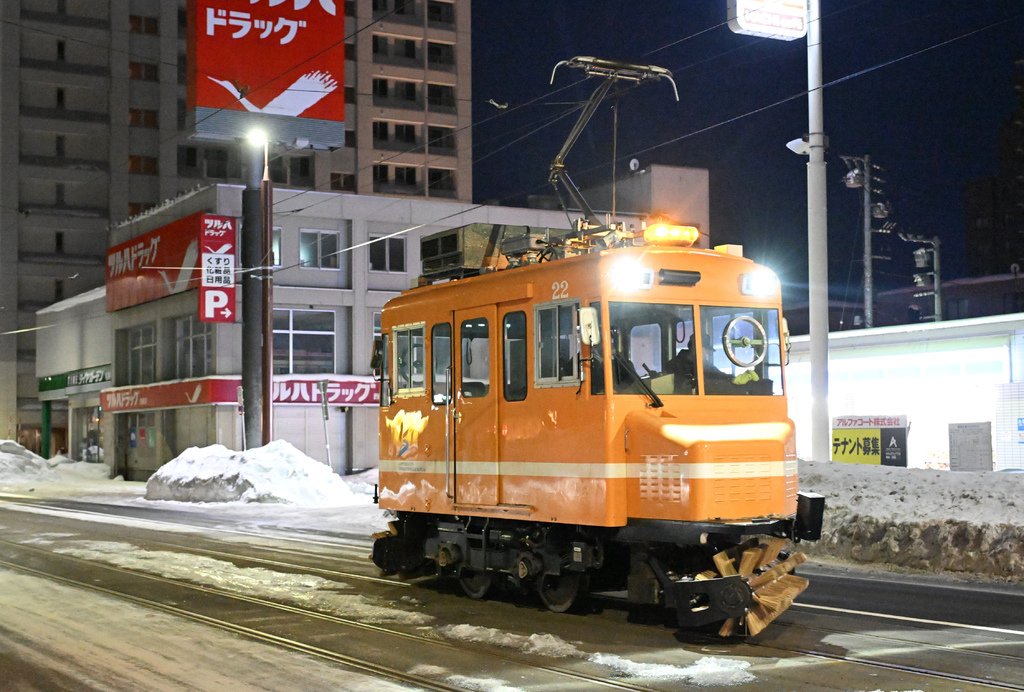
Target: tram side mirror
[786,343]
[590,333]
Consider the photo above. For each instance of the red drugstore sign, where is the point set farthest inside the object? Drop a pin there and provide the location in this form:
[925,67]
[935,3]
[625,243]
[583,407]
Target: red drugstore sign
[274,64]
[162,262]
[341,390]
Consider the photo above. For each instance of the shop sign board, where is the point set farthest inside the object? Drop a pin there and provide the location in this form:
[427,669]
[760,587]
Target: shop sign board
[340,390]
[785,20]
[879,440]
[277,65]
[217,284]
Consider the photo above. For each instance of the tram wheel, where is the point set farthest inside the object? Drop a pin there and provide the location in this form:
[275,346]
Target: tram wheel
[559,592]
[476,583]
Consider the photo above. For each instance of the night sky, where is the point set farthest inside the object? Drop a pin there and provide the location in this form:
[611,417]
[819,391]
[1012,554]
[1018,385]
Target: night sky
[923,87]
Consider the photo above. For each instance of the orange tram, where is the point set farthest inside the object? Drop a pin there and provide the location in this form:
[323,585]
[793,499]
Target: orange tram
[593,412]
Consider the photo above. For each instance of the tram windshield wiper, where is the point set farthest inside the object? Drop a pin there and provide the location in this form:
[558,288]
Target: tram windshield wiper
[625,365]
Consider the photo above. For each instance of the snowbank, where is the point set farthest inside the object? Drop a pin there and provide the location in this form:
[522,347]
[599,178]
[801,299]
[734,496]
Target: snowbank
[275,473]
[17,464]
[920,519]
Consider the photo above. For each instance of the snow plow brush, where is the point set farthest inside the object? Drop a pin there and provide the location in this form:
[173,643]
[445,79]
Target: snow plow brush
[752,584]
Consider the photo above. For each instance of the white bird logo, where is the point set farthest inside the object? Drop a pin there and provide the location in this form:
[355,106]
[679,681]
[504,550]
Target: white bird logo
[307,91]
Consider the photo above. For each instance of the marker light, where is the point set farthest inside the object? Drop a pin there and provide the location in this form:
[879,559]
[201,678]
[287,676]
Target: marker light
[630,275]
[666,234]
[761,283]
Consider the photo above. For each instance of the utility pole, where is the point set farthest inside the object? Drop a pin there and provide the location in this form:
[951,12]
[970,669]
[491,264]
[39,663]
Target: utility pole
[928,257]
[859,175]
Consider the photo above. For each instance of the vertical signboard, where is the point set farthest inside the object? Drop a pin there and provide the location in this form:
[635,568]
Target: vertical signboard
[273,64]
[217,286]
[780,19]
[880,440]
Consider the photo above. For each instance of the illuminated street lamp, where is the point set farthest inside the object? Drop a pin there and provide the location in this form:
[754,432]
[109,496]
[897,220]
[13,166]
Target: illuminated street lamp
[257,305]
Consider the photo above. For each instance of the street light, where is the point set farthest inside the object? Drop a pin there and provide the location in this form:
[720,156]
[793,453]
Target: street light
[257,305]
[858,175]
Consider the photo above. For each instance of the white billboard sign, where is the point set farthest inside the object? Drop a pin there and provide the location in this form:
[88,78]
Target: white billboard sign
[781,19]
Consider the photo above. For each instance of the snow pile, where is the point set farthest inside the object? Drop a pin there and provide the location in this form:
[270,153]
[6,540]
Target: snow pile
[707,671]
[920,519]
[17,464]
[274,473]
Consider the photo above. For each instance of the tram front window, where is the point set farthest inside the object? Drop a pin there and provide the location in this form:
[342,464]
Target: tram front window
[741,350]
[653,349]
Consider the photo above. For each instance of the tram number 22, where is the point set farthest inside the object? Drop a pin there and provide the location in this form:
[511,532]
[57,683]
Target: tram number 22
[559,289]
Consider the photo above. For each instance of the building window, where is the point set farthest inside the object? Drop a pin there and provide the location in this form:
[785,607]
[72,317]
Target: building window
[441,95]
[143,25]
[319,249]
[405,175]
[380,174]
[61,51]
[440,179]
[380,88]
[143,71]
[59,192]
[380,130]
[441,137]
[379,45]
[142,117]
[59,99]
[440,11]
[275,246]
[404,7]
[58,242]
[145,165]
[300,169]
[141,354]
[387,254]
[345,182]
[557,349]
[514,351]
[58,290]
[193,341]
[440,53]
[60,146]
[406,90]
[405,133]
[303,341]
[217,161]
[406,47]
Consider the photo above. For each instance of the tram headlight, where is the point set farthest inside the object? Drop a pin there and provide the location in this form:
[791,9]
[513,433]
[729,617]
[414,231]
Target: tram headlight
[762,283]
[631,275]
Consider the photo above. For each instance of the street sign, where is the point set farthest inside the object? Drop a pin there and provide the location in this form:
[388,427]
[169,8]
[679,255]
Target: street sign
[785,20]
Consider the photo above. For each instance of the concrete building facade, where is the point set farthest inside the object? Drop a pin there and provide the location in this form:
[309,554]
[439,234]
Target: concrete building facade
[173,379]
[94,129]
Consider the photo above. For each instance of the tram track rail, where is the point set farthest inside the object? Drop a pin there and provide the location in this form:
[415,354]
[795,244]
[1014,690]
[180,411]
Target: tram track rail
[564,675]
[355,551]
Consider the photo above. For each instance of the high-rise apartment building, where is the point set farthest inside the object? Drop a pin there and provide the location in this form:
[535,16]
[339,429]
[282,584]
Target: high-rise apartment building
[994,205]
[94,128]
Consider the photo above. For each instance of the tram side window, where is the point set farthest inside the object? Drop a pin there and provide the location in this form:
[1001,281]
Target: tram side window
[475,346]
[557,344]
[441,361]
[409,359]
[514,350]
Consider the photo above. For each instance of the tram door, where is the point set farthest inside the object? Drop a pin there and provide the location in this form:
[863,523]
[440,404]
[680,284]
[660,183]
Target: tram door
[474,409]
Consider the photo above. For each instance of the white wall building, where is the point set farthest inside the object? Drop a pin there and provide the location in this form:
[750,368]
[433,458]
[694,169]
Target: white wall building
[938,375]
